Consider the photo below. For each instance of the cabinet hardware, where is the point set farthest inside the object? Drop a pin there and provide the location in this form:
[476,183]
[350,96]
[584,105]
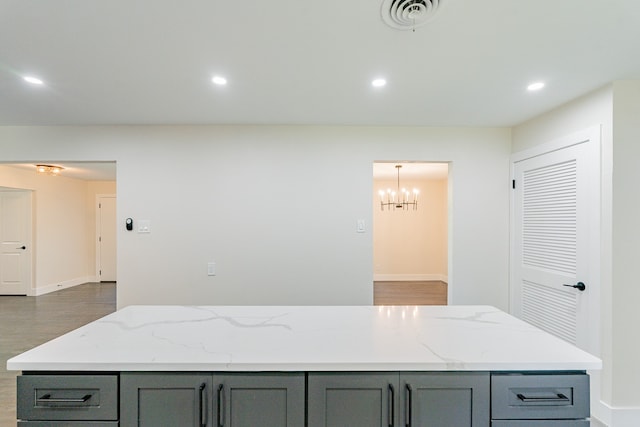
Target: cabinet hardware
[407,405]
[203,405]
[45,399]
[391,411]
[221,405]
[559,397]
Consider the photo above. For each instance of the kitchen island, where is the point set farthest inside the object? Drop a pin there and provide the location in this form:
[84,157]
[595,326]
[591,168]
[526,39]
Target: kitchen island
[297,366]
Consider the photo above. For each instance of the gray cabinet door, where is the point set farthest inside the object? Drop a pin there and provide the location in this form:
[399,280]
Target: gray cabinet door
[165,400]
[444,399]
[352,399]
[260,399]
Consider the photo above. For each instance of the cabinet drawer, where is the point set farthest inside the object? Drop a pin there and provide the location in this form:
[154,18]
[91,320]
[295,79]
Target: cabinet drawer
[539,396]
[540,423]
[68,397]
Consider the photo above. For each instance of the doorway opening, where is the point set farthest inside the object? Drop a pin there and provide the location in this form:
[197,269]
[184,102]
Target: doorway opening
[410,240]
[63,246]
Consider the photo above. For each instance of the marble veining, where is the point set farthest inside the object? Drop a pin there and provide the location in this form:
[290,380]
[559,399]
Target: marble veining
[330,338]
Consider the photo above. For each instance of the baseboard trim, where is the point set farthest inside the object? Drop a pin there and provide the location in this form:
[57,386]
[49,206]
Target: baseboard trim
[410,277]
[617,417]
[42,290]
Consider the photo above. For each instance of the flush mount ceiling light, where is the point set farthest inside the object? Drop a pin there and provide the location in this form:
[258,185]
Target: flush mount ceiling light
[219,80]
[409,14]
[33,80]
[400,199]
[49,170]
[378,82]
[535,86]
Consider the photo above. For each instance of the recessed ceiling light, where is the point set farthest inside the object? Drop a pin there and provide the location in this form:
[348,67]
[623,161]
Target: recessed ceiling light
[535,86]
[378,82]
[33,80]
[220,81]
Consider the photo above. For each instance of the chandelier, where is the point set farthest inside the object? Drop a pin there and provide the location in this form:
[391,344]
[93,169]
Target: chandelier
[400,199]
[49,170]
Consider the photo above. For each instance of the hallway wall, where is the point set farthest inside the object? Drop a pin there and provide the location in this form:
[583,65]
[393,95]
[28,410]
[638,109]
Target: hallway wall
[275,207]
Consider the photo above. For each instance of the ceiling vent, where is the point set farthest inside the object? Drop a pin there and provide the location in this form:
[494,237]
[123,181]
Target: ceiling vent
[409,14]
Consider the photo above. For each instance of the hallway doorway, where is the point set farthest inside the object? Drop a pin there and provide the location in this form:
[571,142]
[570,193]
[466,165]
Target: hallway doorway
[410,232]
[64,212]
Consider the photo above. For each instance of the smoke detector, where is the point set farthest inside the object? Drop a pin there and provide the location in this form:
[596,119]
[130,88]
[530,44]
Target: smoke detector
[409,14]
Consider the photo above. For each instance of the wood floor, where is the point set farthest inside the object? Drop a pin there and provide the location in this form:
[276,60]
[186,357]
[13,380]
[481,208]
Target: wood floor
[26,322]
[410,293]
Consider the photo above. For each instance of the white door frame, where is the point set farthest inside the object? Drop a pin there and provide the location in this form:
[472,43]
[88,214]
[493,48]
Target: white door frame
[593,135]
[98,232]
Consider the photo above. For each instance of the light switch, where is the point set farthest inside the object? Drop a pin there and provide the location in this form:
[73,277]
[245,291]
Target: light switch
[144,226]
[211,268]
[360,228]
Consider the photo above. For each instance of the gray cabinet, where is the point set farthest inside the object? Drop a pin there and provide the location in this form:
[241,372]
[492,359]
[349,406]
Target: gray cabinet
[445,399]
[389,399]
[220,400]
[367,399]
[261,399]
[165,399]
[319,399]
[67,400]
[537,399]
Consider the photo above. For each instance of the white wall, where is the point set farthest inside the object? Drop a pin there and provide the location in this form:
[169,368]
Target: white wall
[63,227]
[616,108]
[625,295]
[411,244]
[591,109]
[276,207]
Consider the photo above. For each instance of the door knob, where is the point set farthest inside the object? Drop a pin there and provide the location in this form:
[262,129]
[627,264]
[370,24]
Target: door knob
[579,286]
[22,247]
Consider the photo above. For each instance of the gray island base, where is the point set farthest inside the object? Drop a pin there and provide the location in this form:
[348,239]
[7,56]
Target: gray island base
[305,366]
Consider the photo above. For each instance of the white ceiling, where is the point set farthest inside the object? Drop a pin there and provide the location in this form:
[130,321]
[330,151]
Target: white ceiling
[306,62]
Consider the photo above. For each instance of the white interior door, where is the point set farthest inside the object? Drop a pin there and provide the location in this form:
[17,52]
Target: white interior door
[15,242]
[556,239]
[106,223]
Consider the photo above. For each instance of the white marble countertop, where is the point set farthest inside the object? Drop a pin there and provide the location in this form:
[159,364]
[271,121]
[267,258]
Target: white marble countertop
[340,338]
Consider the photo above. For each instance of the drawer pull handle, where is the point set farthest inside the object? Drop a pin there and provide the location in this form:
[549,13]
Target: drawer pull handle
[391,409]
[407,405]
[48,399]
[203,404]
[221,403]
[559,397]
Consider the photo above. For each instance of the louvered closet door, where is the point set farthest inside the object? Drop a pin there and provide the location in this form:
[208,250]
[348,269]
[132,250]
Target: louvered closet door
[553,241]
